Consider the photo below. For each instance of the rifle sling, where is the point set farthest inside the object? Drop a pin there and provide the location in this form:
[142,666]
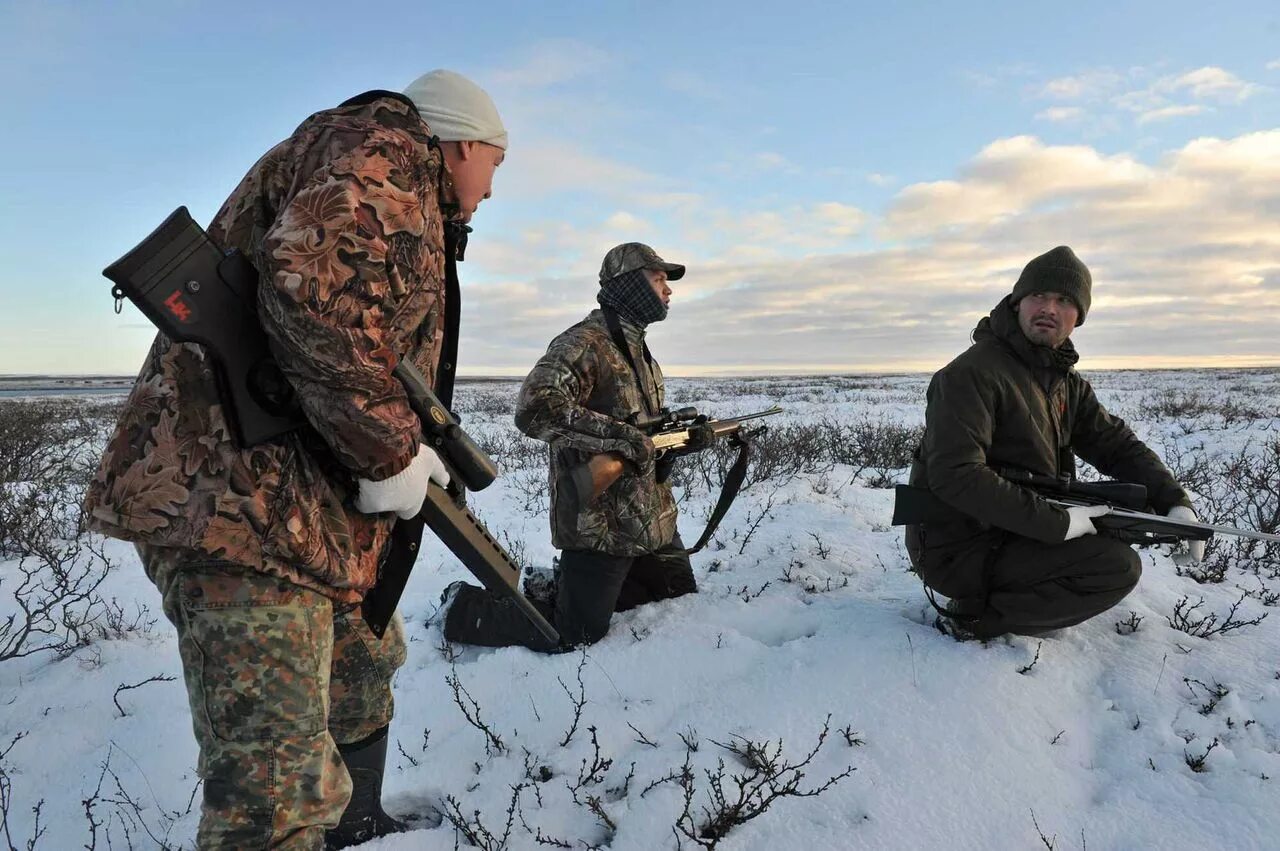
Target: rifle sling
[401,550]
[455,244]
[728,492]
[620,340]
[380,601]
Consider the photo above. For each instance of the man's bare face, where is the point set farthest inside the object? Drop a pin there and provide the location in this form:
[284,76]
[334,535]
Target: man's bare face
[658,280]
[1047,319]
[471,165]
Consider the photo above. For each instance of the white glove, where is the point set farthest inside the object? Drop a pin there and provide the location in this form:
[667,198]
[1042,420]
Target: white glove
[1194,551]
[1081,520]
[404,492]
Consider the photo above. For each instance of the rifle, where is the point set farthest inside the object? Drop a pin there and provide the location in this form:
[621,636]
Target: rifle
[685,431]
[674,432]
[195,293]
[1127,520]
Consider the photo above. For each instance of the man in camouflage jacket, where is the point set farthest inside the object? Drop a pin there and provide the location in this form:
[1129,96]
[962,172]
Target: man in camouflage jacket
[1010,561]
[263,553]
[612,512]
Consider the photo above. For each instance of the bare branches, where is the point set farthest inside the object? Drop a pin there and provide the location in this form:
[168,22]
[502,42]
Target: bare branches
[1026,669]
[1186,619]
[736,798]
[747,595]
[6,803]
[1048,843]
[474,830]
[58,605]
[851,736]
[125,814]
[592,773]
[1129,625]
[1213,694]
[158,678]
[1197,763]
[754,520]
[680,775]
[471,711]
[641,737]
[578,702]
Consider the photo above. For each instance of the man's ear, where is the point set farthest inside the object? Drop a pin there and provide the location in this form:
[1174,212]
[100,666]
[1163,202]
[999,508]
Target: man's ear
[466,149]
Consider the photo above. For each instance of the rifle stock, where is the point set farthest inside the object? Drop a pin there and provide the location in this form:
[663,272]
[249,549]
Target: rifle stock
[445,513]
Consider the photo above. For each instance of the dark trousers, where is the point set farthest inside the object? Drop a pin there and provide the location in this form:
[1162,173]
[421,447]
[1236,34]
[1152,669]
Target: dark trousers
[592,586]
[1031,587]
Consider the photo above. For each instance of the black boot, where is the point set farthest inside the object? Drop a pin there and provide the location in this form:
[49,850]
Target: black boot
[364,818]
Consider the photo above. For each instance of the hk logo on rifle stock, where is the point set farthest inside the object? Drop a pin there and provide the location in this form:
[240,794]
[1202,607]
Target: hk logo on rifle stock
[179,308]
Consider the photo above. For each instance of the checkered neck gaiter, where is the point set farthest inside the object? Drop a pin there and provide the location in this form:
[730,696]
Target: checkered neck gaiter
[632,297]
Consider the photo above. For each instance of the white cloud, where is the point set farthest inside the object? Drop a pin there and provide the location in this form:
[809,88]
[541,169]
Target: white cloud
[1181,95]
[875,178]
[1007,177]
[1061,113]
[1166,112]
[1083,86]
[1184,251]
[1211,83]
[1146,93]
[1273,65]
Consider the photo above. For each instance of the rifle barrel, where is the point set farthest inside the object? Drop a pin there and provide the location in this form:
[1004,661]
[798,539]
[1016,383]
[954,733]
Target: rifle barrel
[1208,528]
[758,414]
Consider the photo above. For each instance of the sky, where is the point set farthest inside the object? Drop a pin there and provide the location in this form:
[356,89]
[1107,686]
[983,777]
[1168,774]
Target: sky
[852,186]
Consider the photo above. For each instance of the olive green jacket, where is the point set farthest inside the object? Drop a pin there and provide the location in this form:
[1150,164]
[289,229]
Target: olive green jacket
[1008,404]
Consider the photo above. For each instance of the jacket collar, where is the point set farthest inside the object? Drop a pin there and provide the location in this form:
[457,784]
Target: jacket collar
[377,94]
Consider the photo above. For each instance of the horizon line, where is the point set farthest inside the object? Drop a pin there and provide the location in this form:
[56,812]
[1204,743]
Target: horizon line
[676,371]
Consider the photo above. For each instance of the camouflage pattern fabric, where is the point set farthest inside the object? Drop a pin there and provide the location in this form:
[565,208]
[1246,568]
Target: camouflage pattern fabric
[344,221]
[631,256]
[577,399]
[276,680]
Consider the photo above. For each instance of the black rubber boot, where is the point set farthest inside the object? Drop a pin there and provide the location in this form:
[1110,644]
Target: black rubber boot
[364,818]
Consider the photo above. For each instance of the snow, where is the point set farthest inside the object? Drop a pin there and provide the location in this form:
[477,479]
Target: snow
[956,745]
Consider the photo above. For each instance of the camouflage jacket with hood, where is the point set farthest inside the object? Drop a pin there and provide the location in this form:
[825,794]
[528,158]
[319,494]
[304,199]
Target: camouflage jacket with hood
[344,222]
[577,399]
[1006,403]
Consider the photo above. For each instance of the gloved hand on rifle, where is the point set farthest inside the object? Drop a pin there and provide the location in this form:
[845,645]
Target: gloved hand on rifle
[1194,551]
[700,437]
[1080,519]
[404,492]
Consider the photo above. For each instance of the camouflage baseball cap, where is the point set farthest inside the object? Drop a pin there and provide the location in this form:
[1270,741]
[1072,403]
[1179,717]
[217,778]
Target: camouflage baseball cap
[636,255]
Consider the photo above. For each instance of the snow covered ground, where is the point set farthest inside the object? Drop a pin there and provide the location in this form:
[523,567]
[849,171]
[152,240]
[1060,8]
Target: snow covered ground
[1094,735]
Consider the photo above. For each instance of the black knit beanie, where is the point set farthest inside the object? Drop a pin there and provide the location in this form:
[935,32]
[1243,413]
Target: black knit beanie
[1057,271]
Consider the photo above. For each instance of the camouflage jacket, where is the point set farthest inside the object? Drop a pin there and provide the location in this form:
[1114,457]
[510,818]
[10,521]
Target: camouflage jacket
[577,399]
[344,222]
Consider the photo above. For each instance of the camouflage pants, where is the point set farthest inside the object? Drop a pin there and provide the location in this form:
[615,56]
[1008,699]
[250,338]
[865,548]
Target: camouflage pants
[276,680]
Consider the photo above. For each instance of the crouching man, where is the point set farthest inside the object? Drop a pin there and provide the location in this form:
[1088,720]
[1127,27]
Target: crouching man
[1009,561]
[612,513]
